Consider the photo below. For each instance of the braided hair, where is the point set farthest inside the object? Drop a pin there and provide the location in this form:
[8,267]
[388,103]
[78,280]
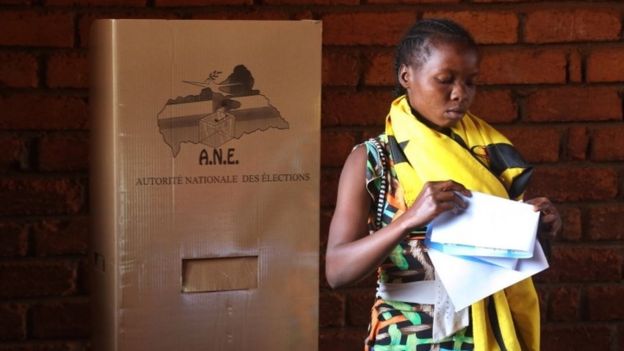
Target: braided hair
[415,47]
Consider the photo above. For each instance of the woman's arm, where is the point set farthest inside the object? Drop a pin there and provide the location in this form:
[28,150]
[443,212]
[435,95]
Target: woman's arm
[352,253]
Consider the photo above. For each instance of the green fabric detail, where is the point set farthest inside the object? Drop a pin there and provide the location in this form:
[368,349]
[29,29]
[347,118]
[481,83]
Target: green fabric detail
[412,342]
[398,259]
[413,317]
[395,335]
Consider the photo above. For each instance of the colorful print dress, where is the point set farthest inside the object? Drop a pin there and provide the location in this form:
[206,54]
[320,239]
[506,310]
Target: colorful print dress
[396,325]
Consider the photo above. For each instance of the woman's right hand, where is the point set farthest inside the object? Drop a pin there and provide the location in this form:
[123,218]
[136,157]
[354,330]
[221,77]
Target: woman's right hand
[435,198]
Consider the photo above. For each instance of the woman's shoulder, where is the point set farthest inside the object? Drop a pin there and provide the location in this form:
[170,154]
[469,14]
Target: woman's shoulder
[376,155]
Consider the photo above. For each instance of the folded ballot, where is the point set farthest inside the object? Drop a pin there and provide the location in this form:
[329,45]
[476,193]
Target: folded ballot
[490,227]
[468,281]
[485,248]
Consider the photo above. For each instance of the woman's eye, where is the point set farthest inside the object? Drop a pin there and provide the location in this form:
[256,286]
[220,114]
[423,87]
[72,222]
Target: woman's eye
[445,79]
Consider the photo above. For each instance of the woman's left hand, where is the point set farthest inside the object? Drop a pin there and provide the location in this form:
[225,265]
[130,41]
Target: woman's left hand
[550,221]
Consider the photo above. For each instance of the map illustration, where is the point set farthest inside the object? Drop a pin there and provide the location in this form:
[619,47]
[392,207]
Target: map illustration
[218,113]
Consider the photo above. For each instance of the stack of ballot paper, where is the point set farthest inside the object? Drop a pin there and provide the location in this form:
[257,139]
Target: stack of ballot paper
[485,248]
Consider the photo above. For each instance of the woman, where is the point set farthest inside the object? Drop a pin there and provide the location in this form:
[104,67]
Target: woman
[392,186]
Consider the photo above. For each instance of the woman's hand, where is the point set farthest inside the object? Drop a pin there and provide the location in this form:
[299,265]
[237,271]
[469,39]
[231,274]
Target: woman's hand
[550,221]
[435,198]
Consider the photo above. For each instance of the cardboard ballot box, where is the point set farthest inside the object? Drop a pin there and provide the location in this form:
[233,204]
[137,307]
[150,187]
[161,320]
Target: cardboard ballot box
[205,184]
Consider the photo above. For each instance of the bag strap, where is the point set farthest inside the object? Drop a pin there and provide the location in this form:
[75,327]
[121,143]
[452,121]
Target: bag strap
[383,188]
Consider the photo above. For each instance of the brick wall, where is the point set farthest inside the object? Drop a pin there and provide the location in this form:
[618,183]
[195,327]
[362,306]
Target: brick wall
[553,77]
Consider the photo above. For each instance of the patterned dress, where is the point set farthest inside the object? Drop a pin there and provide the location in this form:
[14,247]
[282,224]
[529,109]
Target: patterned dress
[396,325]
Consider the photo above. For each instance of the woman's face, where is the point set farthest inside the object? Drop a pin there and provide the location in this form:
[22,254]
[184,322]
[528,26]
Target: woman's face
[442,88]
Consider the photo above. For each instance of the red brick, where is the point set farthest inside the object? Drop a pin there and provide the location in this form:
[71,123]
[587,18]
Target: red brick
[16,2]
[68,70]
[13,321]
[329,184]
[495,106]
[536,145]
[335,147]
[606,223]
[371,132]
[605,302]
[412,1]
[47,345]
[379,69]
[61,237]
[584,264]
[574,104]
[176,3]
[340,67]
[359,303]
[607,144]
[487,27]
[574,183]
[64,153]
[18,70]
[571,224]
[311,2]
[25,111]
[355,108]
[366,28]
[14,153]
[331,309]
[96,2]
[85,268]
[245,14]
[564,304]
[302,15]
[13,239]
[578,142]
[61,320]
[575,67]
[578,337]
[35,196]
[29,28]
[37,278]
[550,26]
[606,65]
[522,66]
[344,339]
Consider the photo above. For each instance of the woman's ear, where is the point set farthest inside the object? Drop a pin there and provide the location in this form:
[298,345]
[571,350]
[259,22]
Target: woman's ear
[404,75]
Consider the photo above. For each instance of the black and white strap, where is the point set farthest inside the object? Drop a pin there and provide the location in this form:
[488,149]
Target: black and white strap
[381,199]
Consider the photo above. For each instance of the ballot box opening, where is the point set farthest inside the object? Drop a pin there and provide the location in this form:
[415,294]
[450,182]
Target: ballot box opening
[219,274]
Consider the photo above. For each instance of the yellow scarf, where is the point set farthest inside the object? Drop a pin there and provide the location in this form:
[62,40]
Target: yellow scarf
[509,319]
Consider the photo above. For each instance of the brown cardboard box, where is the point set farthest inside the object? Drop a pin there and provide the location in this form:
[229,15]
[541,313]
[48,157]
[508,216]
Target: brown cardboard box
[205,184]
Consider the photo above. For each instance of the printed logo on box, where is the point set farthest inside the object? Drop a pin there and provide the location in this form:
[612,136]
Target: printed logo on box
[219,113]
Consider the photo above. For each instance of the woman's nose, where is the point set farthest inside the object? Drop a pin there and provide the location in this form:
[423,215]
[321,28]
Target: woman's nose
[459,92]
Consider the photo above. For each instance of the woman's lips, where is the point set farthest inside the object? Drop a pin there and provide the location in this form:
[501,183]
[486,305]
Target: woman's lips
[455,113]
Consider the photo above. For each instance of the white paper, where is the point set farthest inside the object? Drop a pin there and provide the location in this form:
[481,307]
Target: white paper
[509,263]
[509,227]
[468,280]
